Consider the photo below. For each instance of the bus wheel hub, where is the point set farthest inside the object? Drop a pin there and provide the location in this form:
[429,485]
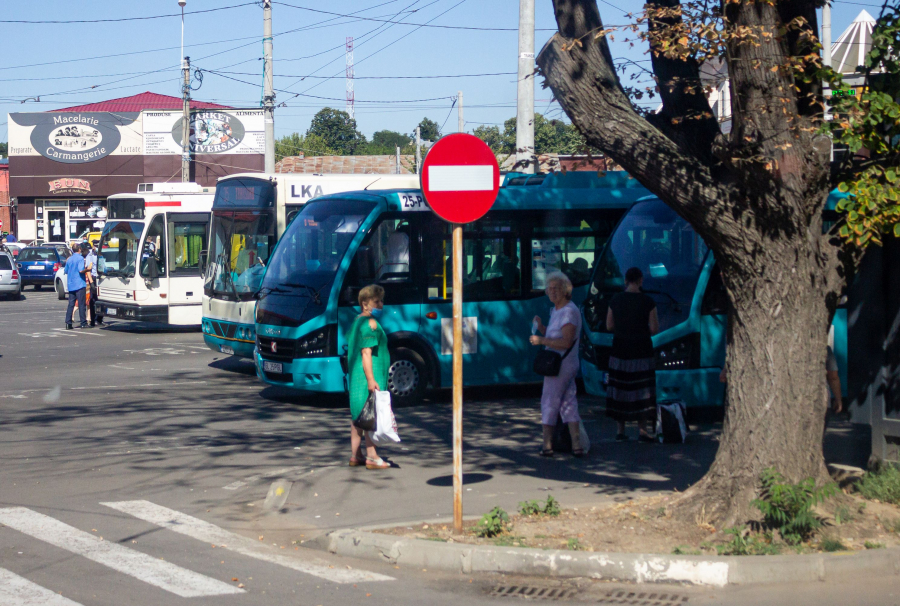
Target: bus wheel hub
[403,377]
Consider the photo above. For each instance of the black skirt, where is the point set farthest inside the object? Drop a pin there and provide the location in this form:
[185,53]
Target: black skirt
[631,390]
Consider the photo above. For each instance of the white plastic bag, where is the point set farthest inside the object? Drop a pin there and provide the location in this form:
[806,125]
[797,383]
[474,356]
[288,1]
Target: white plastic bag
[585,440]
[386,424]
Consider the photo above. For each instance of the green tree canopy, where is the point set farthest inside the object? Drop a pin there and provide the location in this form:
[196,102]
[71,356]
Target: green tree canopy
[337,130]
[391,139]
[4,150]
[296,144]
[550,137]
[428,130]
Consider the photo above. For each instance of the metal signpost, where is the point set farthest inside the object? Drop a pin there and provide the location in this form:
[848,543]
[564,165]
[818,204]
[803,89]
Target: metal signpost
[460,179]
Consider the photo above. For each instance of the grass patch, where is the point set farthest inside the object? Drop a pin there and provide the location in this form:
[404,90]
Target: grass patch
[873,545]
[881,485]
[843,515]
[832,545]
[743,543]
[574,544]
[682,550]
[536,508]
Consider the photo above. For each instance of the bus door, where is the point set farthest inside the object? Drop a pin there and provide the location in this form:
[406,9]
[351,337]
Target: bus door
[384,258]
[187,234]
[152,286]
[495,338]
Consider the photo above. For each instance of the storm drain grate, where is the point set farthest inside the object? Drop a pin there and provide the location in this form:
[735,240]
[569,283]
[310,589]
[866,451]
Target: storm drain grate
[531,592]
[643,598]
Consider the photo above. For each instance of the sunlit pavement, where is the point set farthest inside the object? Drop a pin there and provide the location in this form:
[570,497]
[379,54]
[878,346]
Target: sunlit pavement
[130,413]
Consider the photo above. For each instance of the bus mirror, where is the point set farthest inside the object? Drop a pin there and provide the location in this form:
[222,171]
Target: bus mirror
[203,257]
[365,264]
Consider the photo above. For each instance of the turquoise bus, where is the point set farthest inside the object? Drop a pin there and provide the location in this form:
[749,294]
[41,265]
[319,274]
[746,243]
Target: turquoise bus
[337,244]
[681,275]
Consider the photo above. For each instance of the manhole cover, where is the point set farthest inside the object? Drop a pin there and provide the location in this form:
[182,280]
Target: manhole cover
[643,598]
[532,592]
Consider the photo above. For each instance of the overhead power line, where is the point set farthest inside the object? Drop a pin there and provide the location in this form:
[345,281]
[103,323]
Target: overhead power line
[121,19]
[371,77]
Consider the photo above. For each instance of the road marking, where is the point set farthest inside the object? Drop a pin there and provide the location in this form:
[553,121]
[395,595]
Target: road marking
[210,533]
[81,331]
[16,591]
[269,474]
[162,574]
[18,397]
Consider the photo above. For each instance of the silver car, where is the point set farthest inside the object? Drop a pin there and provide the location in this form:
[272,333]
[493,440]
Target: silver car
[10,281]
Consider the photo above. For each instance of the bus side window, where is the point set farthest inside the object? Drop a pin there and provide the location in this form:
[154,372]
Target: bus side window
[567,242]
[186,240]
[156,235]
[385,258]
[715,299]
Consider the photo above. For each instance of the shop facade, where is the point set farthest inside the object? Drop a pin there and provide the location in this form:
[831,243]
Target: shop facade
[64,164]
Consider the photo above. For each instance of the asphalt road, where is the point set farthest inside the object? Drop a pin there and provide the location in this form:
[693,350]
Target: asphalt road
[107,435]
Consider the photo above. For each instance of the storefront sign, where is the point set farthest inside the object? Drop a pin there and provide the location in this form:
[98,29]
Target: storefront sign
[69,185]
[70,138]
[211,132]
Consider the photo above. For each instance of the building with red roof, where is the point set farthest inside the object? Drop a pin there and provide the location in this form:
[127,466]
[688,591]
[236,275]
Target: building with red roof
[63,164]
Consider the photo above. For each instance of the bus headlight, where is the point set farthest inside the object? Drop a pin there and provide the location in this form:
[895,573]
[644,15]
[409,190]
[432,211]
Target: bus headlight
[680,354]
[321,343]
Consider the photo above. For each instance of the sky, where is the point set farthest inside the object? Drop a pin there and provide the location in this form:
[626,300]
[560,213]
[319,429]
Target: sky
[76,63]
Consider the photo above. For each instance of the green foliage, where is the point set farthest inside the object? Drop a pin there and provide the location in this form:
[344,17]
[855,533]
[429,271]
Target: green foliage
[871,121]
[843,515]
[682,550]
[788,507]
[831,545]
[4,150]
[535,508]
[894,526]
[493,523]
[743,543]
[882,485]
[428,130]
[550,136]
[337,130]
[574,544]
[873,545]
[296,144]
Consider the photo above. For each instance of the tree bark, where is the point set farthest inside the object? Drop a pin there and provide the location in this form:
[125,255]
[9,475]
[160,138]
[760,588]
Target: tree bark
[758,207]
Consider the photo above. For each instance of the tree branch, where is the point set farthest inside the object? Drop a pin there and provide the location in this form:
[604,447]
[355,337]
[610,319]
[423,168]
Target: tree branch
[578,68]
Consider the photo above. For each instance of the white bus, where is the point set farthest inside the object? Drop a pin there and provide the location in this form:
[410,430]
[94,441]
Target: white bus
[149,257]
[248,216]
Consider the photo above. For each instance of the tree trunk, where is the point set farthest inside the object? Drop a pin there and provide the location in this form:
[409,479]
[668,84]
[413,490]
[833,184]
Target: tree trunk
[777,338]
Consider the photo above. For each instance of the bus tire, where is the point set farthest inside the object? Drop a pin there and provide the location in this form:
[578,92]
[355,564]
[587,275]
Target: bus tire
[407,376]
[60,291]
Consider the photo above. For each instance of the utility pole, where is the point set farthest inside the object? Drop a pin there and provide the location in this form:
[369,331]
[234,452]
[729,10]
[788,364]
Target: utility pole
[525,159]
[186,120]
[418,149]
[269,88]
[397,168]
[826,34]
[461,124]
[351,96]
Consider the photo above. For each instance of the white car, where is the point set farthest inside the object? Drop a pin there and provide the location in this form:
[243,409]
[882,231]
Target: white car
[61,284]
[10,282]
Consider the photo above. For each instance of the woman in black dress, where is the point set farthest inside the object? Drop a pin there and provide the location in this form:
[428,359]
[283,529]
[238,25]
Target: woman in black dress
[631,392]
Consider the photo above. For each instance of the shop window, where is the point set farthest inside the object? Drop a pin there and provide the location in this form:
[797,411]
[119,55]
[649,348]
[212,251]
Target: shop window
[492,264]
[154,250]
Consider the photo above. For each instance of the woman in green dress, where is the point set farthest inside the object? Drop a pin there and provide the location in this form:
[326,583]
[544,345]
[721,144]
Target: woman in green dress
[368,362]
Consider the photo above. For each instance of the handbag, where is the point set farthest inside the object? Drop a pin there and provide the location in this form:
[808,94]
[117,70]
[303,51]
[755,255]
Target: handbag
[547,363]
[368,418]
[387,425]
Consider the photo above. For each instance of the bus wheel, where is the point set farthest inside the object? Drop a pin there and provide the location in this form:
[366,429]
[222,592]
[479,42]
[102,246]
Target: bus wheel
[407,376]
[60,291]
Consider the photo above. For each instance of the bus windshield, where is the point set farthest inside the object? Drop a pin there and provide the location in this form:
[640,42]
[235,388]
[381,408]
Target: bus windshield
[119,248]
[653,238]
[303,269]
[241,242]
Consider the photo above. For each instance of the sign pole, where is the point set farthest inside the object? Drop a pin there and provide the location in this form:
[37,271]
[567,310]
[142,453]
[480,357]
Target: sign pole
[457,376]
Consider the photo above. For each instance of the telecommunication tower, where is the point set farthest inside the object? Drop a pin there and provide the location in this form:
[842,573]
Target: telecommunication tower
[350,94]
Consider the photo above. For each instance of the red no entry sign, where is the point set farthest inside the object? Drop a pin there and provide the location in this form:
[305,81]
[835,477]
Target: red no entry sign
[460,178]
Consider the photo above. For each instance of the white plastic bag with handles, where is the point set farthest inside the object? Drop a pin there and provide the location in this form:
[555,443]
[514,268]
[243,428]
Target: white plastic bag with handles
[386,426]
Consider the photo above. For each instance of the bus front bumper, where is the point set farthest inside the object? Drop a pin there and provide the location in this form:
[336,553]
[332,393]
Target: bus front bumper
[130,311]
[230,337]
[696,387]
[323,375]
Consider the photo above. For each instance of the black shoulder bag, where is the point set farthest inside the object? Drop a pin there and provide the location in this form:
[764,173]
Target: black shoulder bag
[547,363]
[367,419]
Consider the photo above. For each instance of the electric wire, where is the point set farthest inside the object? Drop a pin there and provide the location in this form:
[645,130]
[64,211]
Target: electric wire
[121,19]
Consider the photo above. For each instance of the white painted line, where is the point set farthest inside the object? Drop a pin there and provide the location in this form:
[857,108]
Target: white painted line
[210,533]
[81,332]
[18,397]
[461,178]
[162,574]
[16,591]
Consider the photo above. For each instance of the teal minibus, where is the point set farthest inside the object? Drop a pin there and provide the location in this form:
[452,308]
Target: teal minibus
[681,275]
[340,243]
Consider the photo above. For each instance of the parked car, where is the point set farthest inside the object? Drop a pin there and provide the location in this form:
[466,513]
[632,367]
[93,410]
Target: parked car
[10,282]
[38,265]
[15,248]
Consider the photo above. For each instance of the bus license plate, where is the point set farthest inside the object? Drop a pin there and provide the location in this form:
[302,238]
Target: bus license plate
[110,311]
[226,350]
[272,366]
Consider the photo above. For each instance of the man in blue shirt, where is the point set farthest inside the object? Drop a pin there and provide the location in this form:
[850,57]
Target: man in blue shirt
[76,284]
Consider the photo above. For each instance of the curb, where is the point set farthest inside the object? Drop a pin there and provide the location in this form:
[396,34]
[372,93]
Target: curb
[714,571]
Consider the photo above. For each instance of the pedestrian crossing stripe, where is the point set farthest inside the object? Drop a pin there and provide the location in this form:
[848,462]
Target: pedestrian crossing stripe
[210,533]
[16,591]
[162,574]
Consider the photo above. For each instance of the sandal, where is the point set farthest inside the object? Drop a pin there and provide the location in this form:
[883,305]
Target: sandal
[354,462]
[547,452]
[578,453]
[378,463]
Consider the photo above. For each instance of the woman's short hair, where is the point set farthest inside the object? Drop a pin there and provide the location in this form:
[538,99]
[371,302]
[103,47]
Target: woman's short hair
[560,278]
[633,275]
[372,291]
